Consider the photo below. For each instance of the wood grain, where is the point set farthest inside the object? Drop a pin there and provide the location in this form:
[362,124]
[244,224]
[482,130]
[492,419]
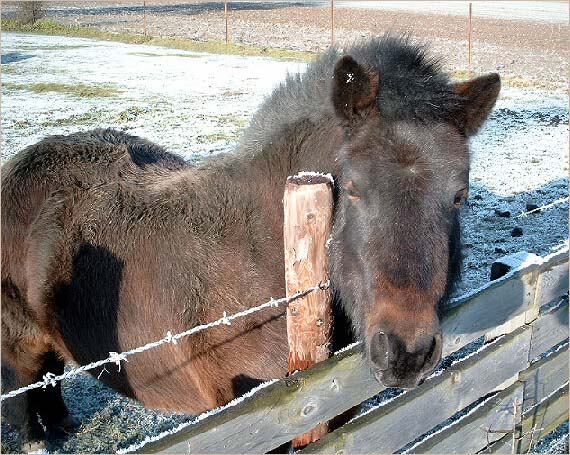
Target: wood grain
[308,210]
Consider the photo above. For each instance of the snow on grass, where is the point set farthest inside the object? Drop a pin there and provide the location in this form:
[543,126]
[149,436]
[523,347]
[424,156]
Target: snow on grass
[194,106]
[197,104]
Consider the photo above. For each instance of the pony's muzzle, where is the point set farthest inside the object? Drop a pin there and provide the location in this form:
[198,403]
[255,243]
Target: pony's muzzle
[396,365]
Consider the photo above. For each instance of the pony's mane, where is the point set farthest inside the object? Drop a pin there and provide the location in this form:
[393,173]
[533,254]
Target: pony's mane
[412,86]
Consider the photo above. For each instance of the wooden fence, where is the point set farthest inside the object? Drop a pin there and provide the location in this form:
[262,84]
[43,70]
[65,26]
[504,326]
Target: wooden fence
[511,394]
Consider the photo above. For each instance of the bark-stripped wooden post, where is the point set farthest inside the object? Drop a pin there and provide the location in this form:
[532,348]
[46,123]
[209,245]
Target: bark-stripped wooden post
[308,205]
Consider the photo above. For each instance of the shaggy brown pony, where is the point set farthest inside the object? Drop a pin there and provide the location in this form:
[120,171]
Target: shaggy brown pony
[108,242]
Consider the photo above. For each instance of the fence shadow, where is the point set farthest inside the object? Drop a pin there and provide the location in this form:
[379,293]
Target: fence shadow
[14,57]
[488,222]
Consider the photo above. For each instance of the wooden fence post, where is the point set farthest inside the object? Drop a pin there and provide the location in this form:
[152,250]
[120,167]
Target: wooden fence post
[332,22]
[144,16]
[308,205]
[226,19]
[469,37]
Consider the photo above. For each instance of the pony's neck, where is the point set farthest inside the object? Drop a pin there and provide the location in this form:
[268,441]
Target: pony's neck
[304,146]
[258,171]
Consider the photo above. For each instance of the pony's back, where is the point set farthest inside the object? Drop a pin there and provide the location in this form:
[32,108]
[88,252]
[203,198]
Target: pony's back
[57,163]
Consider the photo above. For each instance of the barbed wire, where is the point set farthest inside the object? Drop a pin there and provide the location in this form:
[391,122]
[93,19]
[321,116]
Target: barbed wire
[544,207]
[118,357]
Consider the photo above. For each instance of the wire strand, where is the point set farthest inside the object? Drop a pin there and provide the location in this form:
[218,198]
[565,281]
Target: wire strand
[544,207]
[118,357]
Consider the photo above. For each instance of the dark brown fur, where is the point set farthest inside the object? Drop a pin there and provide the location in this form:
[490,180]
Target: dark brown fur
[108,241]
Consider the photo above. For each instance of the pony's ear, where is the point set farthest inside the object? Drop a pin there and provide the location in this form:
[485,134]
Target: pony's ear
[354,89]
[479,96]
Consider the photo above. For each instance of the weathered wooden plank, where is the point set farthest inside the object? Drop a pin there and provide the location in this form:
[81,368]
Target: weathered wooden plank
[279,412]
[544,419]
[544,377]
[552,413]
[294,405]
[394,425]
[549,330]
[467,435]
[497,309]
[554,277]
[484,425]
[503,445]
[540,380]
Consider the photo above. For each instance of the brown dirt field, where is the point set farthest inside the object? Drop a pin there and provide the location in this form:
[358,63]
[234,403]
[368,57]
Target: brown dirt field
[516,49]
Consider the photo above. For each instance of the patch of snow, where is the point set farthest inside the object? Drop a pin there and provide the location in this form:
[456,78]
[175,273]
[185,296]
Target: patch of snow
[348,348]
[520,260]
[310,174]
[530,260]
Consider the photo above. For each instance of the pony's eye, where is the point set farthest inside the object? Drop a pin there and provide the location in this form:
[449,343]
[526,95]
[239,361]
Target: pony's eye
[351,190]
[460,197]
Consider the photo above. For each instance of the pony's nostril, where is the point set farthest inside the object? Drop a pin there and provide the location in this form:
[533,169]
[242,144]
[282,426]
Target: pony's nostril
[379,350]
[434,355]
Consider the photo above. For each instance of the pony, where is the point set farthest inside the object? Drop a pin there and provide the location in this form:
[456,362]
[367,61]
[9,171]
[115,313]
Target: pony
[108,241]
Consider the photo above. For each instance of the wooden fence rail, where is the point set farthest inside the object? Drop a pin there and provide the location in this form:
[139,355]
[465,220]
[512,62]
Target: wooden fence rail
[511,305]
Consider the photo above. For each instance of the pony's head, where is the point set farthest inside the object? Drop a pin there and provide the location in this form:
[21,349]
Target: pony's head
[404,174]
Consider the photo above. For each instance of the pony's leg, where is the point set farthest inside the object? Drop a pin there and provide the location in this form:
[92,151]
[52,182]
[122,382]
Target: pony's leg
[22,349]
[19,411]
[48,403]
[27,352]
[29,433]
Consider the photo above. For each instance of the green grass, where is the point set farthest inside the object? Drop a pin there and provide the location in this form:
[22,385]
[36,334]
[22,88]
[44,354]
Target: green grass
[79,90]
[10,69]
[93,116]
[214,137]
[129,114]
[150,54]
[48,27]
[52,48]
[509,81]
[232,119]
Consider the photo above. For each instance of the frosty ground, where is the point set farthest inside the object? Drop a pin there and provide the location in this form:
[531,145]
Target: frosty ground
[197,105]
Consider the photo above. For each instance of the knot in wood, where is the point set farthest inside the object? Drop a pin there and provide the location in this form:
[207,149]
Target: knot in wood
[335,386]
[308,409]
[292,382]
[455,377]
